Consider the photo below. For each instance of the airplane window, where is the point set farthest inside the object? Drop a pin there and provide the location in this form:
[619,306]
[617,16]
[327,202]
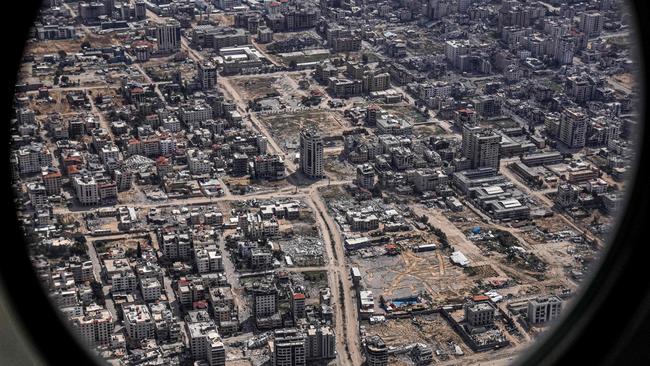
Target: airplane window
[303,182]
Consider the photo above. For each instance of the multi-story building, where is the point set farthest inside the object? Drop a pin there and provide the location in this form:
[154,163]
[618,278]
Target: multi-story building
[168,35]
[193,115]
[591,23]
[265,302]
[376,351]
[311,153]
[268,167]
[206,343]
[573,128]
[426,179]
[563,50]
[376,81]
[171,124]
[151,289]
[227,4]
[82,271]
[37,194]
[124,281]
[123,179]
[198,162]
[298,305]
[365,176]
[544,309]
[95,327]
[208,259]
[87,190]
[567,195]
[479,314]
[321,343]
[110,155]
[138,322]
[207,75]
[25,116]
[289,348]
[218,37]
[31,158]
[175,245]
[168,328]
[581,88]
[454,49]
[481,147]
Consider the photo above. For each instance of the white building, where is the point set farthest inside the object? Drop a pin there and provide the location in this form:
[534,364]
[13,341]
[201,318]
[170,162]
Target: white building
[206,343]
[573,128]
[208,259]
[193,115]
[95,327]
[198,162]
[124,281]
[454,49]
[151,289]
[171,124]
[138,322]
[31,158]
[87,190]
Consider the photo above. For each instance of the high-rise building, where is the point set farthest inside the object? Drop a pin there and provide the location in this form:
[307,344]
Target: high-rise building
[87,190]
[31,158]
[321,343]
[109,6]
[140,10]
[138,322]
[481,147]
[376,351]
[207,75]
[563,50]
[169,36]
[289,348]
[591,23]
[51,178]
[265,302]
[311,153]
[298,305]
[365,176]
[95,327]
[573,128]
[206,343]
[544,309]
[454,49]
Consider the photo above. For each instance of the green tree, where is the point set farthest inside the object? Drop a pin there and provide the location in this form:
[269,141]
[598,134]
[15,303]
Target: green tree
[138,251]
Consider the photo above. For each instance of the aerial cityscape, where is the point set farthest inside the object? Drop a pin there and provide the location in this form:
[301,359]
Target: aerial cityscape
[331,182]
